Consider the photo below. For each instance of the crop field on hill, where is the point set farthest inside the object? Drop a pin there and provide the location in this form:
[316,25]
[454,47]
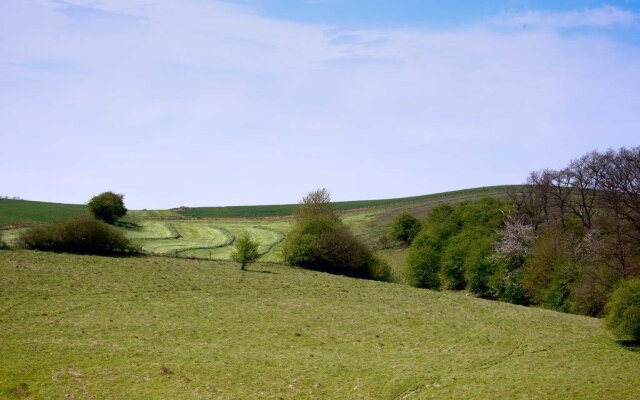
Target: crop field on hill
[163,328]
[282,210]
[30,212]
[206,239]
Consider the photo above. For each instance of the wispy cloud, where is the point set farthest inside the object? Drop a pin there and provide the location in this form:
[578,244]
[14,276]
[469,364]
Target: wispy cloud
[192,102]
[602,17]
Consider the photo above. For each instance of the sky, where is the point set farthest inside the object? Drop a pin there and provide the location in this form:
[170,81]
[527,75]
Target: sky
[205,103]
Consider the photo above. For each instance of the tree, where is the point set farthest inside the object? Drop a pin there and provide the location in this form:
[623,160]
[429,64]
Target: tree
[319,240]
[245,251]
[453,248]
[108,207]
[623,317]
[316,203]
[405,228]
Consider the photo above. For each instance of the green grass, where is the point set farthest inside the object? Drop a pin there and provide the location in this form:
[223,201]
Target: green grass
[163,328]
[207,239]
[396,258]
[13,212]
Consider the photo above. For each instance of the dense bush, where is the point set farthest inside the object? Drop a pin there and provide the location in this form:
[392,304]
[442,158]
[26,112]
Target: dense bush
[424,271]
[454,246]
[319,240]
[82,235]
[623,310]
[107,207]
[404,228]
[324,244]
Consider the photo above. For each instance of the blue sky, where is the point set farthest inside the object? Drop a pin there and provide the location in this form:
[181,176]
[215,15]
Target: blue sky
[203,102]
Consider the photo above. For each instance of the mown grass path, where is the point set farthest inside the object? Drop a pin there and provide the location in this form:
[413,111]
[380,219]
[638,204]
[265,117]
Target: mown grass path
[165,328]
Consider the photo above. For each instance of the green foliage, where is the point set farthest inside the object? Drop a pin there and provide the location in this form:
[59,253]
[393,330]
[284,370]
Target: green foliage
[506,285]
[550,252]
[424,267]
[405,228]
[558,293]
[319,240]
[454,246]
[107,207]
[82,235]
[315,204]
[452,263]
[325,244]
[623,310]
[245,251]
[561,273]
[506,281]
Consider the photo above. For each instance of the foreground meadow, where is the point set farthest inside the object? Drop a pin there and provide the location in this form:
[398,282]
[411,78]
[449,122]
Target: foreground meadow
[82,327]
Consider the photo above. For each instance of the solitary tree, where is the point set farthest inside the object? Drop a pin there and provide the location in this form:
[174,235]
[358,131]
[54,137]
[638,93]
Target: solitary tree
[405,228]
[107,206]
[246,251]
[314,204]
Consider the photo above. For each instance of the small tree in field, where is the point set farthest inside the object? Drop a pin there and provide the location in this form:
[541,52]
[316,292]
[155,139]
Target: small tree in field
[245,251]
[107,207]
[405,228]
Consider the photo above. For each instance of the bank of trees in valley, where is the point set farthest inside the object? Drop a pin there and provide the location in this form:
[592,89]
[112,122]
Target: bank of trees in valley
[567,241]
[587,221]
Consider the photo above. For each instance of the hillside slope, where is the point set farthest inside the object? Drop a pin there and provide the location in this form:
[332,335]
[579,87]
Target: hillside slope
[283,210]
[159,328]
[29,212]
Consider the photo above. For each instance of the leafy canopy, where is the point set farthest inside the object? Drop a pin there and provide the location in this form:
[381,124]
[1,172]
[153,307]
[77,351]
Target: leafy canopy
[245,251]
[405,228]
[107,207]
[319,240]
[623,317]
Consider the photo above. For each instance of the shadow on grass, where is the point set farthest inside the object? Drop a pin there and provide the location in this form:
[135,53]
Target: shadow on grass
[259,271]
[632,345]
[128,225]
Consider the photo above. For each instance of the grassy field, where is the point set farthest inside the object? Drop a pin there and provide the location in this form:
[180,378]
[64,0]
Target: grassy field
[28,212]
[82,327]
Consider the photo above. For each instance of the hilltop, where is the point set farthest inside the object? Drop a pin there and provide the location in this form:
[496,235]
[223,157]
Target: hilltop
[29,212]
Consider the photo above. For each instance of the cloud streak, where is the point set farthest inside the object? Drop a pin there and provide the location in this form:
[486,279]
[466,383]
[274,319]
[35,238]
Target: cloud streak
[204,103]
[602,17]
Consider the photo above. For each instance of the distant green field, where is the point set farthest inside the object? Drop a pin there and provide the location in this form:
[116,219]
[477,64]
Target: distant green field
[283,210]
[207,239]
[204,233]
[29,212]
[83,327]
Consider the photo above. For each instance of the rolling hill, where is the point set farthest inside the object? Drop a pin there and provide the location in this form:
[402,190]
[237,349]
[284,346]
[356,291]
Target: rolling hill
[208,232]
[14,212]
[81,327]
